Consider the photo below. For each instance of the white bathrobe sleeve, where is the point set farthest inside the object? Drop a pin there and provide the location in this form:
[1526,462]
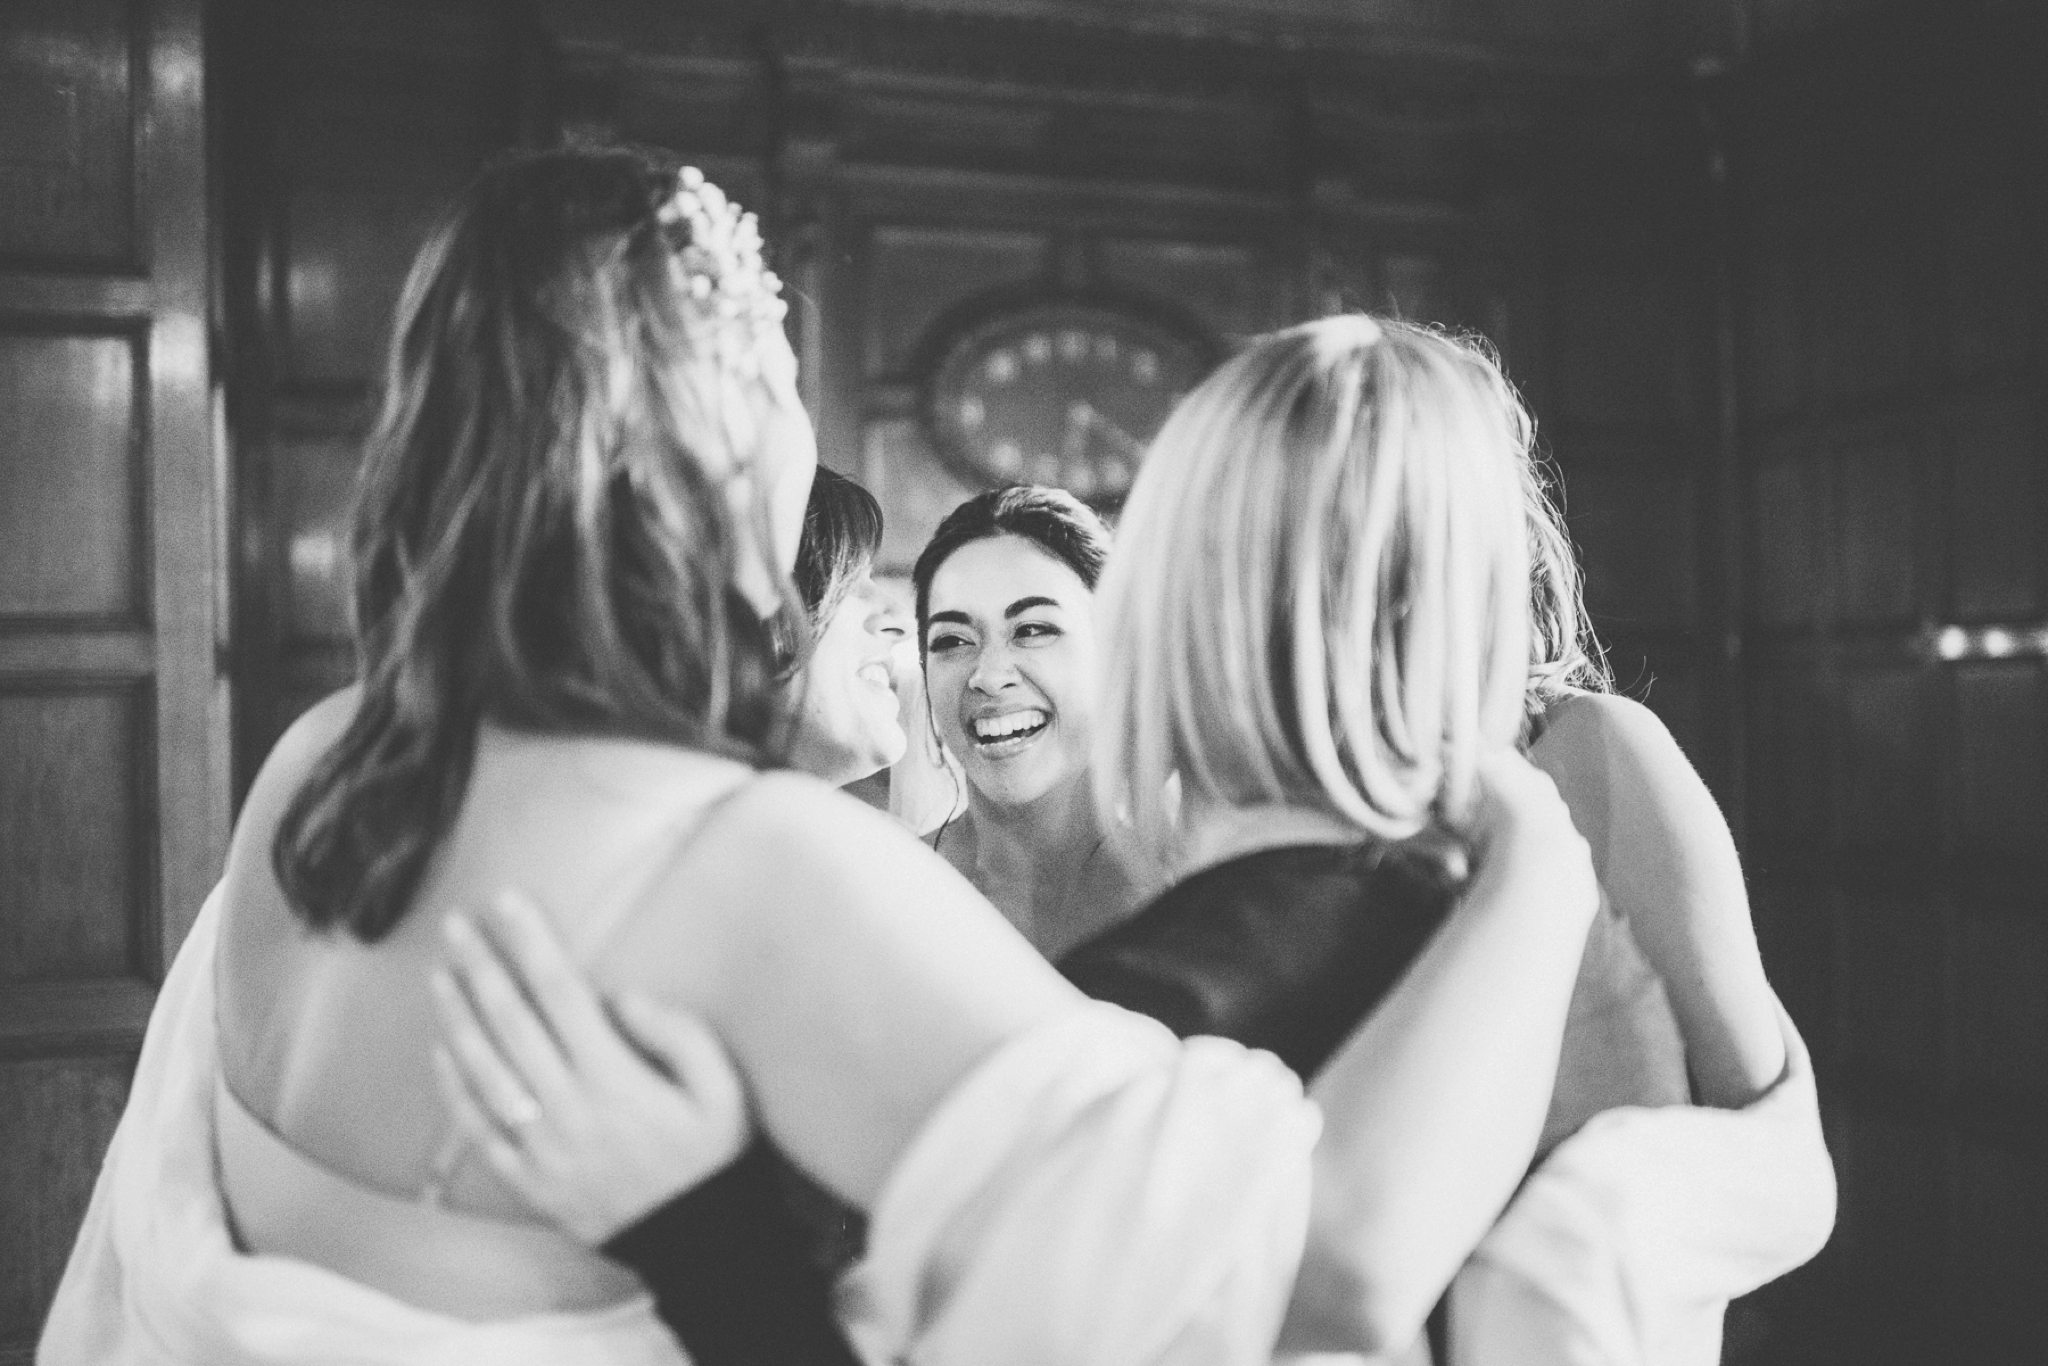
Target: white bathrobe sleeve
[1097,1192]
[1627,1242]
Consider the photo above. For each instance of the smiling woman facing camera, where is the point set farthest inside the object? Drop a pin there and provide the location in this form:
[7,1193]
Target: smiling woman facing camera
[1006,621]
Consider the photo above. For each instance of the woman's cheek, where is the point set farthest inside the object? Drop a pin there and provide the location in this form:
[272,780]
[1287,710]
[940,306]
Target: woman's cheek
[942,694]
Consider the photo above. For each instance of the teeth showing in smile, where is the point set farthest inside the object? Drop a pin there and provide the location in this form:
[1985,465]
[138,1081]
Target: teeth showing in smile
[877,674]
[989,729]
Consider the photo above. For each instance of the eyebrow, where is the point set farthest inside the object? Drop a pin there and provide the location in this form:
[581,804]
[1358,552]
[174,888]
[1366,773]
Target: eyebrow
[1023,605]
[957,618]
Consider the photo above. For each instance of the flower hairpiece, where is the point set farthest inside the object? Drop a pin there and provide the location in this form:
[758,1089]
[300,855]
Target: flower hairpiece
[721,260]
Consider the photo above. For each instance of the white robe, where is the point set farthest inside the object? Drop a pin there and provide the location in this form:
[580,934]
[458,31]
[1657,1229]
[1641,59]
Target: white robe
[1096,1192]
[1626,1243]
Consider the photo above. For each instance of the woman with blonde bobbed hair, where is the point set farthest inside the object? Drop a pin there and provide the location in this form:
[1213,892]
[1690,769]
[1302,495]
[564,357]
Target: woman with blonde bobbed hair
[580,505]
[1393,569]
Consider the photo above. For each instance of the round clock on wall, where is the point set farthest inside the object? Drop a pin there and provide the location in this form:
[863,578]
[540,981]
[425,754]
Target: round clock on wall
[1064,392]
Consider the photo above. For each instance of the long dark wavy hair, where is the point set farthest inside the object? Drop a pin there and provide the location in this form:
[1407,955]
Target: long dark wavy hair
[541,536]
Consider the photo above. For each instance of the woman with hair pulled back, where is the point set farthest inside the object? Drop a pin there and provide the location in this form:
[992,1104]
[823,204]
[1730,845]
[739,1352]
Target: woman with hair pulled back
[579,508]
[1005,599]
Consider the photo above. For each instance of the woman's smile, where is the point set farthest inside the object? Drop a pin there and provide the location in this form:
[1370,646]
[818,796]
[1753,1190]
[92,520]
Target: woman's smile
[1002,734]
[1010,667]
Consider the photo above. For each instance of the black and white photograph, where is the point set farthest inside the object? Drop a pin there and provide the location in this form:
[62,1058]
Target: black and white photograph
[1023,682]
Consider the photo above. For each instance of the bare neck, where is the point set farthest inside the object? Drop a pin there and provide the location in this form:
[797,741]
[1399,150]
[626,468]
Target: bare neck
[1048,865]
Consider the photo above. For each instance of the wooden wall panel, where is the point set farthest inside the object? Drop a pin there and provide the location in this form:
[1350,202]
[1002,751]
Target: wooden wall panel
[1788,539]
[1233,289]
[315,490]
[1988,325]
[56,1115]
[1875,574]
[915,487]
[1998,1029]
[67,120]
[2000,1203]
[1617,354]
[1999,763]
[915,274]
[1889,1235]
[1886,748]
[1997,505]
[1890,991]
[348,248]
[113,723]
[1791,757]
[69,449]
[1861,333]
[72,834]
[1769,257]
[1890,363]
[1636,523]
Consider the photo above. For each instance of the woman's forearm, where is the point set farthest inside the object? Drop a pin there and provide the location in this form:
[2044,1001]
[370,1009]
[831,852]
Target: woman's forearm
[1433,1108]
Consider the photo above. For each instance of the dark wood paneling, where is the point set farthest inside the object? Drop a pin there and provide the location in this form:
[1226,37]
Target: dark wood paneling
[1889,360]
[1890,1231]
[113,728]
[1889,989]
[1856,287]
[1617,353]
[1988,325]
[1999,1001]
[1998,505]
[1234,289]
[907,477]
[63,1018]
[1769,259]
[1791,750]
[915,274]
[1886,756]
[72,825]
[315,485]
[1875,574]
[1788,539]
[348,249]
[1636,523]
[67,133]
[2000,1207]
[56,1116]
[69,442]
[1999,764]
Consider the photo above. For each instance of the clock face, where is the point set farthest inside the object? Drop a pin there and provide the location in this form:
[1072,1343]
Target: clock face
[1061,393]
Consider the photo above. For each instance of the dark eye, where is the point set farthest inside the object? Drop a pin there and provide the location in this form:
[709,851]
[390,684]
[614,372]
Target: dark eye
[945,642]
[1036,630]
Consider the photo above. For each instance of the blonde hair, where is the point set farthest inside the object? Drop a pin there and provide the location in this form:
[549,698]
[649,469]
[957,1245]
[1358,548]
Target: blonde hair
[1321,589]
[1564,654]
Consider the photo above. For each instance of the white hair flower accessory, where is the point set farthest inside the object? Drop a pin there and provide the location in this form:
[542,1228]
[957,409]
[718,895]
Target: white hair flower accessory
[720,257]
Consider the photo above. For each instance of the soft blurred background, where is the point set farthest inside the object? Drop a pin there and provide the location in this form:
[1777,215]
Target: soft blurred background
[1769,271]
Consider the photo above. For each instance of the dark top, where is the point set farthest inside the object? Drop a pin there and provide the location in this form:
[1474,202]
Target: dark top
[1286,949]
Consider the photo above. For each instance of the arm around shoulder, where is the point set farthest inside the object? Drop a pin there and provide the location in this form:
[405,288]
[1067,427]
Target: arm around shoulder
[854,976]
